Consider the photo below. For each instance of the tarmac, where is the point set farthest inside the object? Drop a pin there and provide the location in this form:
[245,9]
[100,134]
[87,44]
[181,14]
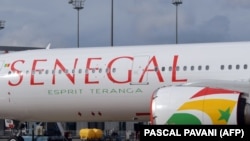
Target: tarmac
[5,138]
[24,140]
[72,140]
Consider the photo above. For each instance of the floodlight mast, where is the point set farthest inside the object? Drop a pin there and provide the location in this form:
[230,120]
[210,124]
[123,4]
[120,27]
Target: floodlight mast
[176,3]
[112,21]
[2,22]
[78,5]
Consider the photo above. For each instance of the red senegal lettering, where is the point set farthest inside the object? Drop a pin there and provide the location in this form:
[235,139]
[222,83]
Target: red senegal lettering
[155,64]
[110,64]
[34,70]
[88,67]
[60,65]
[15,70]
[174,79]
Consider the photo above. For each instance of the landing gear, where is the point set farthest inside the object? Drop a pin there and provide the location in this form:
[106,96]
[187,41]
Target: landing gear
[16,138]
[16,134]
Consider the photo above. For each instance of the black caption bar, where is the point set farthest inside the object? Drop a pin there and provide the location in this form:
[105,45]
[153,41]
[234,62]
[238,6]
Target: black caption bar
[218,132]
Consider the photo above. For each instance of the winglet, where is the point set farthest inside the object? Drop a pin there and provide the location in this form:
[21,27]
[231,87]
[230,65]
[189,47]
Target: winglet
[48,46]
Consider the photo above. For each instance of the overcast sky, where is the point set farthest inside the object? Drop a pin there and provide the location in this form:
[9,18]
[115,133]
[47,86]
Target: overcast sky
[136,22]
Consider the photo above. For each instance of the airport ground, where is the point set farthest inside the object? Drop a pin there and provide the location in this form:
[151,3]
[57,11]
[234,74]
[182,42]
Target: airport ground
[125,131]
[72,139]
[77,140]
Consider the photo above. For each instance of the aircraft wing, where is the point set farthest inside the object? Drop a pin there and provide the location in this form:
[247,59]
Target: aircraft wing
[18,48]
[242,86]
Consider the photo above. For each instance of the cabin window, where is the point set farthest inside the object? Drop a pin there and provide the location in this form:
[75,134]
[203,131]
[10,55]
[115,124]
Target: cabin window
[170,68]
[177,68]
[192,68]
[40,72]
[156,68]
[245,66]
[184,68]
[222,67]
[107,70]
[199,67]
[162,68]
[237,67]
[66,71]
[80,71]
[86,71]
[100,70]
[59,71]
[207,67]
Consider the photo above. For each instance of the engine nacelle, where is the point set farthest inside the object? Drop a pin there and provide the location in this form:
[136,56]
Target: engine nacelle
[198,106]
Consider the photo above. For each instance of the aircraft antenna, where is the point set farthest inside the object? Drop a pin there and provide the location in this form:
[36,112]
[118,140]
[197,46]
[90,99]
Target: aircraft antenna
[48,46]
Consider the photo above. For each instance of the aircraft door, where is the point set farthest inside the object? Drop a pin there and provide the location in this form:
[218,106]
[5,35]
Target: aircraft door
[138,66]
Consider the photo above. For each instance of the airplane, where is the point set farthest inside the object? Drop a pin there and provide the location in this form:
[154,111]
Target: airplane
[200,83]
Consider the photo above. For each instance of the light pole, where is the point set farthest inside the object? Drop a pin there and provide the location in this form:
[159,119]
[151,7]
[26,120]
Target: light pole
[78,5]
[112,20]
[2,24]
[176,3]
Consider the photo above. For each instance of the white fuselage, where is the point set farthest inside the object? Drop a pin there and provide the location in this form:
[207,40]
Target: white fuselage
[109,84]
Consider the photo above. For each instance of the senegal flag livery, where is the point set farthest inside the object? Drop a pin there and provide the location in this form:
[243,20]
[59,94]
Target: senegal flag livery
[197,106]
[215,106]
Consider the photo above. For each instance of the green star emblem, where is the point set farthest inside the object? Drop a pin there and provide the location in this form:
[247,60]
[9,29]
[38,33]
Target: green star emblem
[224,115]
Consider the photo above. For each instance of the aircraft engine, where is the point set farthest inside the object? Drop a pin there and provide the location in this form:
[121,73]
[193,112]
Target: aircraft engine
[185,105]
